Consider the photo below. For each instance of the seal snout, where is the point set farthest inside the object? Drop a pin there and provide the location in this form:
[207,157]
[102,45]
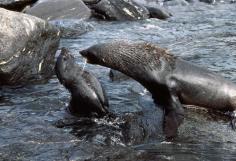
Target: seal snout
[83,53]
[87,55]
[65,54]
[64,51]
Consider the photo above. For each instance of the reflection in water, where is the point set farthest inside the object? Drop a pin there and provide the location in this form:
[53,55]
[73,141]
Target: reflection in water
[30,116]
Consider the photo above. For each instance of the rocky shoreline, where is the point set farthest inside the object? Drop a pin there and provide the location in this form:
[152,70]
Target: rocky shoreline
[30,39]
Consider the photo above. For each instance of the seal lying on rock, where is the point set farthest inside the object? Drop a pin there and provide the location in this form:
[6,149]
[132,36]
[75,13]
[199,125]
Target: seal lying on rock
[88,98]
[171,81]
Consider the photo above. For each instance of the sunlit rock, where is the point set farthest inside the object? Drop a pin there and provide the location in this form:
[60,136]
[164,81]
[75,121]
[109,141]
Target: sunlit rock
[27,48]
[59,9]
[120,10]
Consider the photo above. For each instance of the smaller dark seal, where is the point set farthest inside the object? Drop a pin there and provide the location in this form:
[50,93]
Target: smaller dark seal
[88,98]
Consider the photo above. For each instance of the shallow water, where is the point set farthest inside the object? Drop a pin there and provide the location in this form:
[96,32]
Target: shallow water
[30,117]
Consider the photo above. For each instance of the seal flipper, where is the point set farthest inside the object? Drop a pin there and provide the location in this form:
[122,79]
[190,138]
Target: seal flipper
[174,116]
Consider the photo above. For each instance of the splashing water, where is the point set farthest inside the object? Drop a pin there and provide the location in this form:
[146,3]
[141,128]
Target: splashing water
[84,64]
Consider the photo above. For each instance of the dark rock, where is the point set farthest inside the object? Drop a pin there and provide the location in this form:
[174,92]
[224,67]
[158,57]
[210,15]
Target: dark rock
[143,125]
[120,10]
[192,1]
[158,12]
[60,9]
[208,1]
[27,48]
[72,28]
[117,76]
[16,5]
[89,2]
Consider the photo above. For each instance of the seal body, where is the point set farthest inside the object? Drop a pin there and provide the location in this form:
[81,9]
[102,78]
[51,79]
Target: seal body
[88,98]
[171,81]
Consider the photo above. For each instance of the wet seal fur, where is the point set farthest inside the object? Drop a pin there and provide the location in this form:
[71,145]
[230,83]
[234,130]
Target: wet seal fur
[88,98]
[171,81]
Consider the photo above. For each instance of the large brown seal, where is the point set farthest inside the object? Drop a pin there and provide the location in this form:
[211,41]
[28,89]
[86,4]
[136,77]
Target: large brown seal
[171,81]
[88,98]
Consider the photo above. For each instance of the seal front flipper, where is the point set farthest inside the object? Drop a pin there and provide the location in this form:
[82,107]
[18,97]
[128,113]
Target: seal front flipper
[174,116]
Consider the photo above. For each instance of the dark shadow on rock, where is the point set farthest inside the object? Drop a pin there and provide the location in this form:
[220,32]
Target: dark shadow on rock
[117,76]
[15,5]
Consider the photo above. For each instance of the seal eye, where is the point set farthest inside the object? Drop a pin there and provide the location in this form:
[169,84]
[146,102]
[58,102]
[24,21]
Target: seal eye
[64,58]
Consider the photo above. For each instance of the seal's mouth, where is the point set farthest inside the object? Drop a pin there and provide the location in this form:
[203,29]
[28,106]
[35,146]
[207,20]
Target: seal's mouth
[85,55]
[64,52]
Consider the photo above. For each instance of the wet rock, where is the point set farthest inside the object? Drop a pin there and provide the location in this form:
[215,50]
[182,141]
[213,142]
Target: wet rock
[15,5]
[59,9]
[72,28]
[120,10]
[117,76]
[27,48]
[89,2]
[143,125]
[149,2]
[208,1]
[129,128]
[158,12]
[192,1]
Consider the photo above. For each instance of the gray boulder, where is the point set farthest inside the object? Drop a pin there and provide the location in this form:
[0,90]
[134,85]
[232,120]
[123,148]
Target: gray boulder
[15,5]
[27,48]
[120,10]
[59,9]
